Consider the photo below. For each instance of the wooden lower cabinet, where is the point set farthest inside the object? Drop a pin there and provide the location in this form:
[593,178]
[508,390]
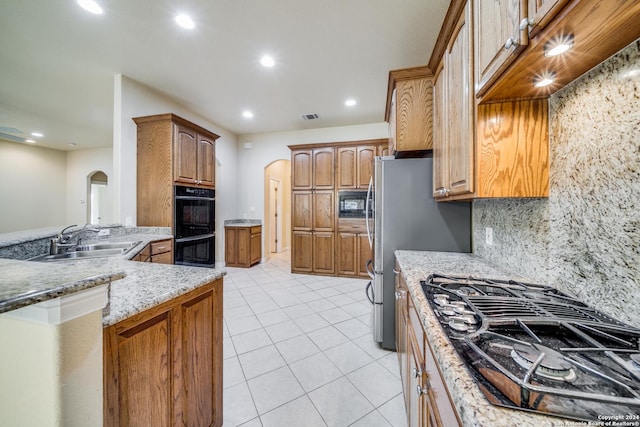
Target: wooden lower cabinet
[323,252]
[243,245]
[163,367]
[160,252]
[353,251]
[313,252]
[426,397]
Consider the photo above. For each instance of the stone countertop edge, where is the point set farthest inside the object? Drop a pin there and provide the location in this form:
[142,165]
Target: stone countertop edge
[242,222]
[472,406]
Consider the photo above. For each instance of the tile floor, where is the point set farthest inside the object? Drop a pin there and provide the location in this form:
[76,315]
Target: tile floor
[298,352]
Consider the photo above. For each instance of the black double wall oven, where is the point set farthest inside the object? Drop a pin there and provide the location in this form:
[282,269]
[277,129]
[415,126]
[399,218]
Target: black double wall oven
[194,226]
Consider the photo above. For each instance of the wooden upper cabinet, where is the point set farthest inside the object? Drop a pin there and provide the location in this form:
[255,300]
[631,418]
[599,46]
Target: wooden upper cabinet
[206,161]
[194,157]
[347,167]
[540,12]
[301,173]
[355,166]
[498,37]
[323,168]
[409,109]
[313,168]
[440,134]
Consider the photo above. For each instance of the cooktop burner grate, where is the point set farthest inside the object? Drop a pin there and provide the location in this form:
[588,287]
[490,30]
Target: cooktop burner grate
[534,348]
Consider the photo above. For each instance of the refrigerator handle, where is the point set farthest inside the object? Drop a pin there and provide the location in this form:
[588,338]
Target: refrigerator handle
[370,269]
[366,211]
[369,291]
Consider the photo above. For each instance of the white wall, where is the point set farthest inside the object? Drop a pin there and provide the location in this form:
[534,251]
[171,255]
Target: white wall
[133,99]
[33,192]
[81,164]
[269,147]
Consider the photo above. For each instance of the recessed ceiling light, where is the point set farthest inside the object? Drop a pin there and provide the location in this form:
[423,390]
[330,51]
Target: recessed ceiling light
[267,61]
[72,144]
[30,141]
[558,46]
[37,134]
[350,102]
[185,21]
[91,6]
[247,114]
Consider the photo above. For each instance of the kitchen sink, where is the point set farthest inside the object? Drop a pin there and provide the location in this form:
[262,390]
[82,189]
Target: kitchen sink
[96,250]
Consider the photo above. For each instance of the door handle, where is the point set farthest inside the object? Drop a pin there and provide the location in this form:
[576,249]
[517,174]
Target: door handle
[370,292]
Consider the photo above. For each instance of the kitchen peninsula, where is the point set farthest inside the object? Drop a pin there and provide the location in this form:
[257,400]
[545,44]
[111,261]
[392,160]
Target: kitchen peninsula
[161,325]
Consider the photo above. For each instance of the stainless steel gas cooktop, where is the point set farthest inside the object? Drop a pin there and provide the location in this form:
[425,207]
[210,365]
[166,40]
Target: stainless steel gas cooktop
[533,348]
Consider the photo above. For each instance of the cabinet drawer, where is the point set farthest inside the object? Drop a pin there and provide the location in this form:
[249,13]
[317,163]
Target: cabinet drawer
[160,247]
[163,258]
[355,226]
[256,230]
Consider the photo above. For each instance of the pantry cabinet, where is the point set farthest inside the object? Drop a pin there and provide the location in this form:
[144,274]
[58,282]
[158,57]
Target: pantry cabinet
[170,150]
[163,367]
[427,401]
[408,111]
[313,225]
[313,169]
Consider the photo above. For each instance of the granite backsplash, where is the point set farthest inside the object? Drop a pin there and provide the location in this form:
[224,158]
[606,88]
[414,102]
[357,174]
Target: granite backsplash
[585,238]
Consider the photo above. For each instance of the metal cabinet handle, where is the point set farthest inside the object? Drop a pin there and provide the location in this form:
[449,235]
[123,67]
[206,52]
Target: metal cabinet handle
[526,23]
[443,192]
[422,390]
[511,42]
[416,373]
[395,271]
[398,295]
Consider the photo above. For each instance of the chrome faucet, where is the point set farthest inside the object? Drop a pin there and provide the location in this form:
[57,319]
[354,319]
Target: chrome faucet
[65,242]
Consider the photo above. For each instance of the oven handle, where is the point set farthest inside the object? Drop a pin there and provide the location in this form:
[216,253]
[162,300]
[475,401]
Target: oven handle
[194,238]
[197,199]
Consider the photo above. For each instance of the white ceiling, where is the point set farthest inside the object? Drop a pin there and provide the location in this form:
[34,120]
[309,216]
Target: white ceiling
[57,61]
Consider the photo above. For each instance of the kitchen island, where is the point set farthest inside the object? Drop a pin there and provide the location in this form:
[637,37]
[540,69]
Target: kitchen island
[469,402]
[113,345]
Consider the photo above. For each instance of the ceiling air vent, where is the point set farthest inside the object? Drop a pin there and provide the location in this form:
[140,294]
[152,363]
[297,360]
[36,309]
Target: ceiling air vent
[309,116]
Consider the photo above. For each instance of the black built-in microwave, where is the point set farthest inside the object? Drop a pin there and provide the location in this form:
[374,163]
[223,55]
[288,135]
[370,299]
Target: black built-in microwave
[353,204]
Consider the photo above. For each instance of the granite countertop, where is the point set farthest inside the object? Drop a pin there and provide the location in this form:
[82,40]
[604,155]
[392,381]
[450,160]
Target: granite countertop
[135,286]
[242,222]
[472,406]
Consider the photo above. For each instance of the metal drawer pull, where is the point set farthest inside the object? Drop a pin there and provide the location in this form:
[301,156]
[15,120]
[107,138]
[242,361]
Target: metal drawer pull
[421,390]
[416,373]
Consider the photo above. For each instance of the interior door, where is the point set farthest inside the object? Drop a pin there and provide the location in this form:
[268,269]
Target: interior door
[275,214]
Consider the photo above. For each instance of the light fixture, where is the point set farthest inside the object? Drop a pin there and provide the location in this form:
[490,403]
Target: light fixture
[37,134]
[72,144]
[267,61]
[91,6]
[30,141]
[185,21]
[350,102]
[544,79]
[558,45]
[247,114]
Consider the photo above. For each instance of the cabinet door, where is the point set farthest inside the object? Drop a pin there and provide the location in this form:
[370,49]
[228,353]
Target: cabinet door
[364,254]
[541,12]
[401,330]
[231,246]
[138,374]
[198,356]
[347,167]
[163,258]
[323,208]
[243,246]
[206,161]
[302,251]
[365,157]
[498,38]
[383,150]
[392,122]
[323,168]
[186,155]
[323,252]
[413,115]
[460,135]
[346,257]
[440,155]
[302,205]
[301,174]
[415,395]
[256,248]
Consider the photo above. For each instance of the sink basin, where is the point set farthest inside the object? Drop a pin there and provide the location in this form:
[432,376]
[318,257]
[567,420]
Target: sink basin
[96,250]
[106,245]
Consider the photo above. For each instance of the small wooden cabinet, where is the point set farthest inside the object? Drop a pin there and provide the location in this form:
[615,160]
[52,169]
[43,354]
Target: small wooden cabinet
[353,250]
[408,112]
[170,150]
[427,401]
[163,367]
[313,169]
[355,166]
[160,251]
[243,245]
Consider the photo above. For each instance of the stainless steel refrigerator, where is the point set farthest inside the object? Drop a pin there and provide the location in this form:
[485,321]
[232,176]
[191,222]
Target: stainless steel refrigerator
[407,217]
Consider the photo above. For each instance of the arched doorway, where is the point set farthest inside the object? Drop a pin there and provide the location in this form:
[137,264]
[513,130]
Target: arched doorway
[277,207]
[99,207]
